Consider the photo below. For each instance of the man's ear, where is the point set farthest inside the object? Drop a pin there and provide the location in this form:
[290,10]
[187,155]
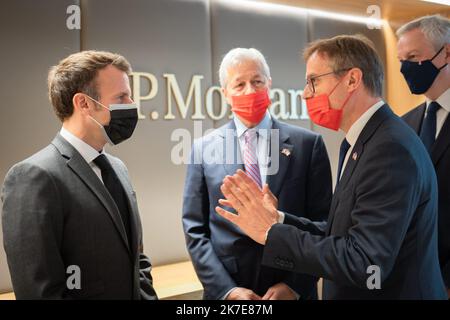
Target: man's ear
[269,83]
[354,79]
[80,102]
[225,94]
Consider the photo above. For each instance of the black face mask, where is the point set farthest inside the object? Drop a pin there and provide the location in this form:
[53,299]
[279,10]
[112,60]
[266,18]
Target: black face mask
[123,121]
[420,75]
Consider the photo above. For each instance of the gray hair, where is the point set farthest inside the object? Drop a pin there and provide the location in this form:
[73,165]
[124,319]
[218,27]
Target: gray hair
[436,29]
[238,55]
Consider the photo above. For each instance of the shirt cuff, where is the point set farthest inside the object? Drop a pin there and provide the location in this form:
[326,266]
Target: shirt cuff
[226,294]
[280,217]
[280,220]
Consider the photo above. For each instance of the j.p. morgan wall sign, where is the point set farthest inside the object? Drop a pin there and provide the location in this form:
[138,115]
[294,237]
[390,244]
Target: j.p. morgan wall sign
[196,104]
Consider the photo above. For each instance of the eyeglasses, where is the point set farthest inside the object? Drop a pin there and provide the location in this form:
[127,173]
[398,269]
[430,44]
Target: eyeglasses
[310,82]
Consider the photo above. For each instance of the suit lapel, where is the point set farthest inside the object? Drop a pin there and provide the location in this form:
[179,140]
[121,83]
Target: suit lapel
[356,153]
[80,167]
[352,161]
[415,119]
[442,142]
[132,205]
[282,156]
[230,150]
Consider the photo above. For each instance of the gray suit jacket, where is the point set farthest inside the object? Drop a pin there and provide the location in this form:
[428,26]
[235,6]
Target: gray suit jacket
[57,214]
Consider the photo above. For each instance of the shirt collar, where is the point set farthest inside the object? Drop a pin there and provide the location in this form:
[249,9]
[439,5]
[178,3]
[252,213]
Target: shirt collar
[357,127]
[443,100]
[87,152]
[266,124]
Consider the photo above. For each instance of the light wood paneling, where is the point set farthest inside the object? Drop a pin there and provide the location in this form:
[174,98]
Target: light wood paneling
[172,281]
[393,10]
[395,13]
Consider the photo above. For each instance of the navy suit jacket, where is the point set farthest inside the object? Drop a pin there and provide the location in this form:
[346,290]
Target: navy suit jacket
[440,155]
[223,256]
[383,214]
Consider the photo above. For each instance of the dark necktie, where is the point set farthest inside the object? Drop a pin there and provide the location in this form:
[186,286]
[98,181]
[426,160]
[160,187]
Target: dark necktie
[428,130]
[342,152]
[115,189]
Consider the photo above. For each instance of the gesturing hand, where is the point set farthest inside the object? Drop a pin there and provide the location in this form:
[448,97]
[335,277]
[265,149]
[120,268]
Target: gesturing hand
[279,291]
[256,212]
[242,294]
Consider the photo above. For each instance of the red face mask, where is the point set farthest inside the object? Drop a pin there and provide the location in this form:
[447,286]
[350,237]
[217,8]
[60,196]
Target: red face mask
[322,114]
[251,107]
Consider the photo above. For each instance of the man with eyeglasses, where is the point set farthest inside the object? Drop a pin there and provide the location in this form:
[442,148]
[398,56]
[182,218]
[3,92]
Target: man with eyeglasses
[291,161]
[424,50]
[380,240]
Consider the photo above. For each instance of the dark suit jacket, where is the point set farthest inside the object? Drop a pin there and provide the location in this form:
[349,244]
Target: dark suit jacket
[57,213]
[383,213]
[440,155]
[223,256]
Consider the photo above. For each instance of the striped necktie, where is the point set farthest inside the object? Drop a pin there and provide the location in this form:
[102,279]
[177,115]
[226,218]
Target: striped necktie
[250,156]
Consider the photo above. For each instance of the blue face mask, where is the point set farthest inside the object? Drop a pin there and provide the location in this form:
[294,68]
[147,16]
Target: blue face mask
[420,75]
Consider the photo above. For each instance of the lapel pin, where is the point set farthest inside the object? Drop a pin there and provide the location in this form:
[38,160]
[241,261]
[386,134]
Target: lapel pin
[354,156]
[286,152]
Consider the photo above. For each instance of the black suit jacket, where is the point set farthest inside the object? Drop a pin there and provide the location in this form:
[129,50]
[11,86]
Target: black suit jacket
[383,213]
[56,214]
[440,155]
[223,256]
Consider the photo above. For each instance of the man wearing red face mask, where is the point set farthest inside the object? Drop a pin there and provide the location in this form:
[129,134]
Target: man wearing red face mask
[290,161]
[380,241]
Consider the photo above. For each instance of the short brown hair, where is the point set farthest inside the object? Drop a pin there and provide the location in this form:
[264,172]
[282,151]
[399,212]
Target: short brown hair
[78,73]
[351,51]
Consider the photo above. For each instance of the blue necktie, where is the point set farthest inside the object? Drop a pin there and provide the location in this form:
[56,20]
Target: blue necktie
[342,152]
[428,131]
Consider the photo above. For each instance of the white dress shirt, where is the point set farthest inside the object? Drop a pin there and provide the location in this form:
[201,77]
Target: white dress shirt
[87,152]
[442,113]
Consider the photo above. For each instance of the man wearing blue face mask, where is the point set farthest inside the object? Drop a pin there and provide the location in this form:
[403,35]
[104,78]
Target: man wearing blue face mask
[70,219]
[424,50]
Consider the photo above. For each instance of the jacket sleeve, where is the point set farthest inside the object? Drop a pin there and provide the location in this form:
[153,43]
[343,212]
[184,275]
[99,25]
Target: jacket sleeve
[145,278]
[385,201]
[196,209]
[32,220]
[319,189]
[147,292]
[318,199]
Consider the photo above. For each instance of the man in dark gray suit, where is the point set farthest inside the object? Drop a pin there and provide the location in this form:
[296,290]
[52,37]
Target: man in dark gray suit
[424,51]
[380,241]
[71,225]
[292,161]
